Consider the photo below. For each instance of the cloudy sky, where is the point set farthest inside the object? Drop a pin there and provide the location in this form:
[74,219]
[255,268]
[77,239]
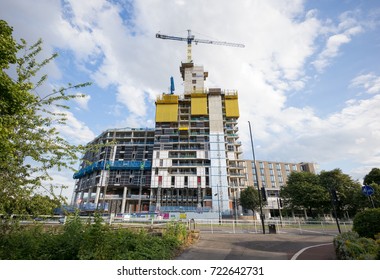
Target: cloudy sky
[308,78]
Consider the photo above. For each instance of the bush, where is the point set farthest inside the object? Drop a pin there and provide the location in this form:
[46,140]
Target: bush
[350,246]
[97,241]
[367,223]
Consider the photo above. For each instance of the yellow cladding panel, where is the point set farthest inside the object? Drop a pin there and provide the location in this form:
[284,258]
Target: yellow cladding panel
[232,107]
[166,112]
[167,108]
[167,98]
[198,104]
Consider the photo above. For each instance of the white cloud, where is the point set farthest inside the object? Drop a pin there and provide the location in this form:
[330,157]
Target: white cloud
[352,134]
[82,101]
[342,34]
[282,41]
[74,131]
[370,82]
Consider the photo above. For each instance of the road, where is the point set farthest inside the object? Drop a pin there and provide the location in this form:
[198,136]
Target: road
[255,246]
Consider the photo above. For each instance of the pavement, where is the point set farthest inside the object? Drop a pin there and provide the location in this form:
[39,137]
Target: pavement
[256,246]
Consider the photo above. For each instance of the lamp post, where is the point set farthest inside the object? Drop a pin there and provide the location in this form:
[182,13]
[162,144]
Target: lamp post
[257,181]
[218,194]
[236,209]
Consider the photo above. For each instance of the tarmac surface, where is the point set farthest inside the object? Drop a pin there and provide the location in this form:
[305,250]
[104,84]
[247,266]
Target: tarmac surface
[256,246]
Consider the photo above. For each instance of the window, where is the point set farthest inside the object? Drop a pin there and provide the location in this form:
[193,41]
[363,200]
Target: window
[186,180]
[270,165]
[173,181]
[199,180]
[161,162]
[294,167]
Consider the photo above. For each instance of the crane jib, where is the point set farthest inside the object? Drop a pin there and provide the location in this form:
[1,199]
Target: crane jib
[191,39]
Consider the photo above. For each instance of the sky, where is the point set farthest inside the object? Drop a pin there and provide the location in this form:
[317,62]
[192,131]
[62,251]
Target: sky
[308,78]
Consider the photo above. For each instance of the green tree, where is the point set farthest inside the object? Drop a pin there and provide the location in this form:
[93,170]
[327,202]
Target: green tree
[348,198]
[30,144]
[372,177]
[250,199]
[303,191]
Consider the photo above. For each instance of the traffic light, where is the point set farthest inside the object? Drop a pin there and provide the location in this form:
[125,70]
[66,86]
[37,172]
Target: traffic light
[334,196]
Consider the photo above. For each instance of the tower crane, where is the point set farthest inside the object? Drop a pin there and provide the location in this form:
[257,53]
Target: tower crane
[190,39]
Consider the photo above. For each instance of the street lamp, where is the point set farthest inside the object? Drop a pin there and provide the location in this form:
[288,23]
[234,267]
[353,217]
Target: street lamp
[236,211]
[257,180]
[218,194]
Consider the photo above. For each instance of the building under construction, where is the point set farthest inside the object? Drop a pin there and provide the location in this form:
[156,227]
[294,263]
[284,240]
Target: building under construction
[196,162]
[190,162]
[115,173]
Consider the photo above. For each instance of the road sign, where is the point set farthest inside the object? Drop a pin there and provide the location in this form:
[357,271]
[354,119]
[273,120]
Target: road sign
[367,190]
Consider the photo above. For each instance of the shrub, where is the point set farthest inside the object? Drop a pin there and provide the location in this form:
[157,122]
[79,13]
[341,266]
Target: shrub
[97,241]
[350,246]
[367,223]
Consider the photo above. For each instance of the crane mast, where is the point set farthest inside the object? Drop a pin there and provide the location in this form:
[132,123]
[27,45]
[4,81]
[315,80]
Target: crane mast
[190,39]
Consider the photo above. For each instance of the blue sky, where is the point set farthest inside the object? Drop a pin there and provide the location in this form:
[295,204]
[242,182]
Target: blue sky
[308,78]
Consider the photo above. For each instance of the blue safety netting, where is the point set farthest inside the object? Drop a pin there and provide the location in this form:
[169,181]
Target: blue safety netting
[113,165]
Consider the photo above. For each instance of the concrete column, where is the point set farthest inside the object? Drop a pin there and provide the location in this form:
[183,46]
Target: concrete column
[124,200]
[89,193]
[97,195]
[81,198]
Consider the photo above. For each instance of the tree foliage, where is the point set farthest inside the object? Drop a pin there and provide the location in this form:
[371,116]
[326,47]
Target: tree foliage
[320,193]
[30,144]
[250,199]
[349,198]
[372,177]
[303,191]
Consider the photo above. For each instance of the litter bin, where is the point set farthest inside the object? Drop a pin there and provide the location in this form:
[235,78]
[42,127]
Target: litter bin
[272,228]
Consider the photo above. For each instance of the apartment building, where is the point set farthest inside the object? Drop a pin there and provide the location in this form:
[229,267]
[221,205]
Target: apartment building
[272,176]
